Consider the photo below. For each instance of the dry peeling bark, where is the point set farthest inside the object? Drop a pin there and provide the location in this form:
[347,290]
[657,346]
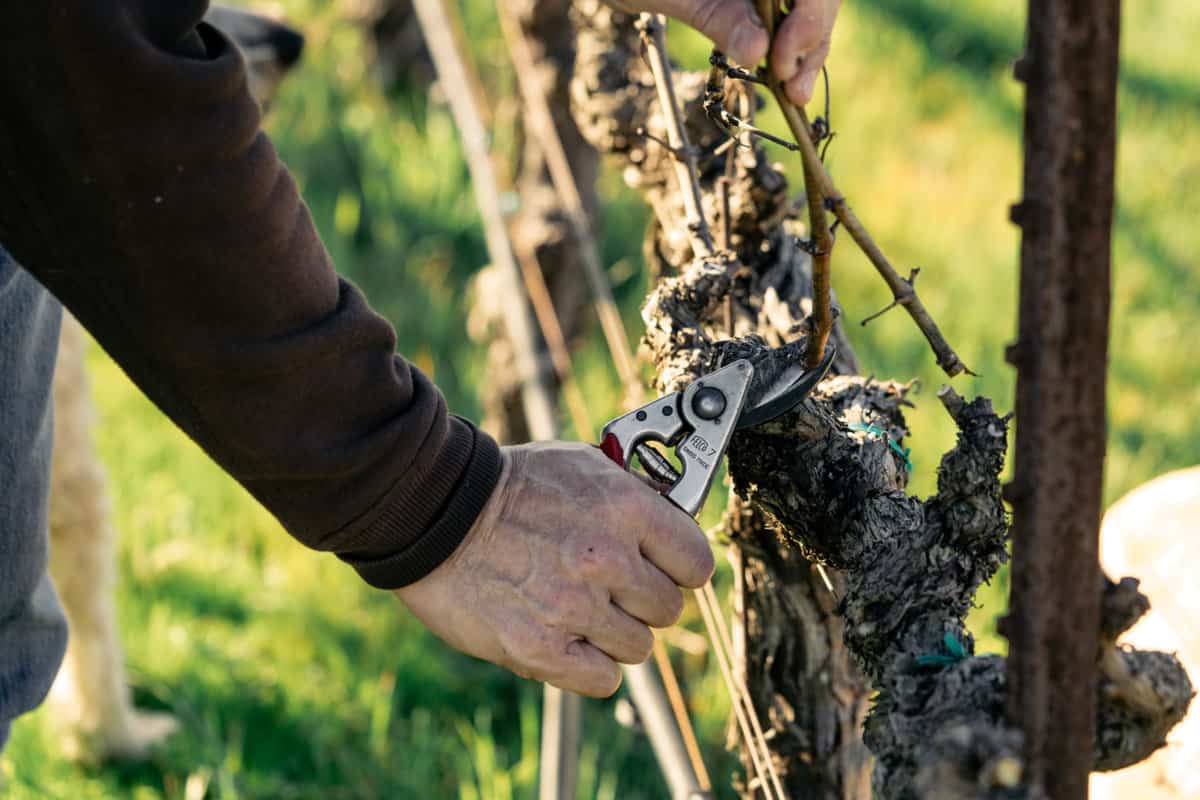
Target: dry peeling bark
[796,664]
[826,484]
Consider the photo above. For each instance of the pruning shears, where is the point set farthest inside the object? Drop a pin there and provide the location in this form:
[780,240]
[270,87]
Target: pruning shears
[699,421]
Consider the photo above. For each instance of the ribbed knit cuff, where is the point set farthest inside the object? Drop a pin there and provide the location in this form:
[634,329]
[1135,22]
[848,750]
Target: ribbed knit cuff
[448,530]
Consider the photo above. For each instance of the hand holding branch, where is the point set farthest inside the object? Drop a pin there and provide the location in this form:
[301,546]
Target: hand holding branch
[798,50]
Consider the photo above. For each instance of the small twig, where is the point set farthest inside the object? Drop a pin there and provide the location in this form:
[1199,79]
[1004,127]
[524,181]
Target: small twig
[718,60]
[823,126]
[899,300]
[680,710]
[725,146]
[682,154]
[658,140]
[797,121]
[947,359]
[735,124]
[726,221]
[722,117]
[825,147]
[723,191]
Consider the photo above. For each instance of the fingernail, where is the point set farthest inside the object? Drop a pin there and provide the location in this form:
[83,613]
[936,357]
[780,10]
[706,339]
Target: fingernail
[746,42]
[792,68]
[806,86]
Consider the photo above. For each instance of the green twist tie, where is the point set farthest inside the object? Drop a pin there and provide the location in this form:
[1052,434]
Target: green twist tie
[880,432]
[956,653]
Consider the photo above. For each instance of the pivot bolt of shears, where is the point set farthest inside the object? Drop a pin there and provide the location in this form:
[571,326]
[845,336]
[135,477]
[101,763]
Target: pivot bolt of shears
[709,403]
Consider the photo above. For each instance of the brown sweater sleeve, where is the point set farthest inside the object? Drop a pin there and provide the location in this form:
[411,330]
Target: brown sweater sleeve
[136,185]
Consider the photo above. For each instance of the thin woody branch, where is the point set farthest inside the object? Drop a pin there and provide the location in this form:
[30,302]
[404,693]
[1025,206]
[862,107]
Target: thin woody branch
[902,291]
[821,319]
[901,300]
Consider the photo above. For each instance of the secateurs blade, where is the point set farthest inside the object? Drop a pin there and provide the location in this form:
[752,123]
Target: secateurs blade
[699,421]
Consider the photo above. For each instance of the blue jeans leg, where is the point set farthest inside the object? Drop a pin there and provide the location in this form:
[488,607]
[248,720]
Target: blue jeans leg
[33,630]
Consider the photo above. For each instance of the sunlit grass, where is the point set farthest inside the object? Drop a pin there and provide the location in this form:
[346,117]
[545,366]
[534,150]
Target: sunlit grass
[294,680]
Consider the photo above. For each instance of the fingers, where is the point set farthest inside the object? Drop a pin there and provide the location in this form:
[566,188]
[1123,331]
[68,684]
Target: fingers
[590,666]
[538,651]
[650,596]
[801,46]
[579,645]
[615,568]
[800,88]
[666,536]
[733,25]
[562,575]
[619,636]
[587,671]
[671,541]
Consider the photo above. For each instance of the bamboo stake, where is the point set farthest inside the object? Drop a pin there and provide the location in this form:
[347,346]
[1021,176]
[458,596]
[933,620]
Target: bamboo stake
[556,342]
[653,28]
[536,396]
[540,123]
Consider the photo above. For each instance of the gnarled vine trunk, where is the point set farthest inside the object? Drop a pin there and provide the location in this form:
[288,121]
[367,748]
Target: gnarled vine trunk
[826,484]
[810,697]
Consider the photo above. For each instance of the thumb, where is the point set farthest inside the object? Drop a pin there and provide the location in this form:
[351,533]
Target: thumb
[733,25]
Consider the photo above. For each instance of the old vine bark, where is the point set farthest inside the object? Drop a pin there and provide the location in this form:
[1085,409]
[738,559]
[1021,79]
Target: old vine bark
[826,484]
[791,643]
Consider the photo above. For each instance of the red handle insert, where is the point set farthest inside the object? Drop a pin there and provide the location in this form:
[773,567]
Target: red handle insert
[611,447]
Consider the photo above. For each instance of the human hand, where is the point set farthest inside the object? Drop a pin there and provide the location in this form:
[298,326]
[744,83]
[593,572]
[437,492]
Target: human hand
[797,54]
[568,566]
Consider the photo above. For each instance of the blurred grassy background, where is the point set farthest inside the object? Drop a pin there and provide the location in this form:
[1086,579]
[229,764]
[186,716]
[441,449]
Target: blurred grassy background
[293,680]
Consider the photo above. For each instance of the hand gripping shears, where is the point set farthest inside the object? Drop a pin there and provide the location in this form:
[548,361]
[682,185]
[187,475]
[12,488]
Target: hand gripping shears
[700,420]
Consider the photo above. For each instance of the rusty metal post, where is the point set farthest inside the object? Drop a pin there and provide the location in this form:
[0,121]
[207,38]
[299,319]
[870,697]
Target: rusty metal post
[1070,71]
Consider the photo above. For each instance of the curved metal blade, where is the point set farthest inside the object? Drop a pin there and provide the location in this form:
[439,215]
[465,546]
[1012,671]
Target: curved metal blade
[785,392]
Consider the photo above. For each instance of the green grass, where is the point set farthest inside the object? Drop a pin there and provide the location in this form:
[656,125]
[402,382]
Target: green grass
[293,680]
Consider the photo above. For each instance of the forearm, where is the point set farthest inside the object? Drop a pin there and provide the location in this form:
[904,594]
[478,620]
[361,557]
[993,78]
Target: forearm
[137,186]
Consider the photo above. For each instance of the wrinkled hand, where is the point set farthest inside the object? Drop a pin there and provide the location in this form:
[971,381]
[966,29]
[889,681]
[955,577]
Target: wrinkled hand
[801,43]
[567,567]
